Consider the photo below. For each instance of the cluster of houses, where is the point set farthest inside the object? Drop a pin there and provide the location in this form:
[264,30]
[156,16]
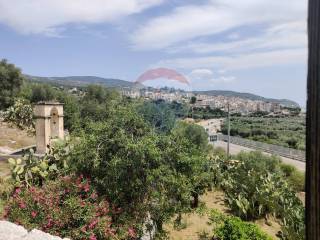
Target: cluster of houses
[236,104]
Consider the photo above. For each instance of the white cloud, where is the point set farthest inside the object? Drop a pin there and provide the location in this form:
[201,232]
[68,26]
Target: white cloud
[206,77]
[192,21]
[223,79]
[234,36]
[240,61]
[283,36]
[200,73]
[49,16]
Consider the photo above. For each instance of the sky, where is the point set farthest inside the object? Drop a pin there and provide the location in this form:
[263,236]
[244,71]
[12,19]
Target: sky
[256,46]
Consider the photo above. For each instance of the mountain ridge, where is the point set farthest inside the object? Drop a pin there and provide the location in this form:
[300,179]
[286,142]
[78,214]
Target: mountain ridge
[250,96]
[80,81]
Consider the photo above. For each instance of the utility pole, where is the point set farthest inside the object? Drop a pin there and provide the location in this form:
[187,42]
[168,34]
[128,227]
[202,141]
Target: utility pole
[228,147]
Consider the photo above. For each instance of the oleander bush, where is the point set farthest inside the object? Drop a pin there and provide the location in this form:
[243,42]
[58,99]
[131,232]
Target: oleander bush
[66,207]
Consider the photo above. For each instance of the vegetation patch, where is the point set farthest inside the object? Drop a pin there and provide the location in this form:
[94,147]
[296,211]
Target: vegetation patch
[286,131]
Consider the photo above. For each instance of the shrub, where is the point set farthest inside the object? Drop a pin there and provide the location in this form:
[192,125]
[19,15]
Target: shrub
[295,177]
[233,228]
[33,171]
[67,207]
[20,115]
[292,143]
[256,186]
[292,214]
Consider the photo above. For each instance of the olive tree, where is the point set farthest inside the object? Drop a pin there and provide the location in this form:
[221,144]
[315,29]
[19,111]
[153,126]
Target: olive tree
[11,80]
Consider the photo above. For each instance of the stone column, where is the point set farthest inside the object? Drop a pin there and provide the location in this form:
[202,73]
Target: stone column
[43,131]
[49,124]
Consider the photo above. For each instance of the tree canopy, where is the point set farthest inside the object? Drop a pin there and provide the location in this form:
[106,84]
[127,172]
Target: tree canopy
[11,80]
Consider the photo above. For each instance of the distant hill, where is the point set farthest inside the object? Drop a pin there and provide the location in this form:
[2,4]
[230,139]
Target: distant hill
[80,81]
[283,102]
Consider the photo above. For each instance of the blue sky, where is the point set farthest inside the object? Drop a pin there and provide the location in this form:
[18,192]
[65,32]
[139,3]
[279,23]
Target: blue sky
[257,46]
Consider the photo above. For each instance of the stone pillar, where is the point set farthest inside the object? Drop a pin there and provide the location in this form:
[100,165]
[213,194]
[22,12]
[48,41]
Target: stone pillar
[49,124]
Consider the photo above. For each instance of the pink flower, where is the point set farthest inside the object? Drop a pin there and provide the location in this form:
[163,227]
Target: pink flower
[83,229]
[94,196]
[86,187]
[66,191]
[17,191]
[132,233]
[82,203]
[50,223]
[93,237]
[22,205]
[93,224]
[34,214]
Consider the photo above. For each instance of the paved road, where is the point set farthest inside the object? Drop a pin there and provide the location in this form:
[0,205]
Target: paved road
[235,149]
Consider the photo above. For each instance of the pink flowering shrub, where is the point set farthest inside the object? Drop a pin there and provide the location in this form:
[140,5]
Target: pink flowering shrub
[67,207]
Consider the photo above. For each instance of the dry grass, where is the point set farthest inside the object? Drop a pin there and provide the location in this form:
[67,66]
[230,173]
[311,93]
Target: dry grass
[196,223]
[4,169]
[12,138]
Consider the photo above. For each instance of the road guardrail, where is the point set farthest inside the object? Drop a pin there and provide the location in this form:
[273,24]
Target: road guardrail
[265,147]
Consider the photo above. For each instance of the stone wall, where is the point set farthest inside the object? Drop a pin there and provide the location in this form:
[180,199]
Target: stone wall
[11,231]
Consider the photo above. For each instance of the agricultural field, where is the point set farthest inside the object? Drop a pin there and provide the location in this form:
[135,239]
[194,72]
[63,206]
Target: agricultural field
[287,132]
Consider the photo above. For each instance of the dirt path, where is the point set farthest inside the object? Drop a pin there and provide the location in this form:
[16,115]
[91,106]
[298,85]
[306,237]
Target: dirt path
[197,223]
[12,138]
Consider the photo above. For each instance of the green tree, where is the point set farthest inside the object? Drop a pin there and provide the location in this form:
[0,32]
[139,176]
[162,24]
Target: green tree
[11,80]
[42,92]
[196,164]
[71,110]
[194,133]
[119,154]
[138,170]
[158,114]
[193,100]
[98,103]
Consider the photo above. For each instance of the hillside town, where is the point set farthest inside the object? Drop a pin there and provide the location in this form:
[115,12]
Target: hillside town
[240,105]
